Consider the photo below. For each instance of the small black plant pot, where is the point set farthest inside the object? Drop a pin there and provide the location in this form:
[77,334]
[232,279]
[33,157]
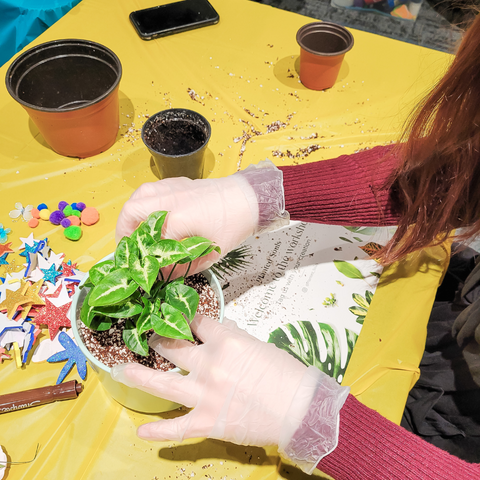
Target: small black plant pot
[177,139]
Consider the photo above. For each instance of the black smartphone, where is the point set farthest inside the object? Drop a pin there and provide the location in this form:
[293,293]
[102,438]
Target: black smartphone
[173,18]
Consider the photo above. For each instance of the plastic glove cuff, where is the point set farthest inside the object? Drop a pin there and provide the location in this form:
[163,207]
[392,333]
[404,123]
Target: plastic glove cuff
[266,181]
[317,433]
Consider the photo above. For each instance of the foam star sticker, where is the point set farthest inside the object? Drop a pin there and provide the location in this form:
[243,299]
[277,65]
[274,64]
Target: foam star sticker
[73,355]
[4,355]
[13,300]
[32,293]
[54,317]
[5,248]
[50,274]
[12,268]
[30,249]
[3,259]
[7,324]
[28,241]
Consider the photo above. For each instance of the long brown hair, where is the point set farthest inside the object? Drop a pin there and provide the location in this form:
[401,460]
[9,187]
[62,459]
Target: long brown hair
[438,180]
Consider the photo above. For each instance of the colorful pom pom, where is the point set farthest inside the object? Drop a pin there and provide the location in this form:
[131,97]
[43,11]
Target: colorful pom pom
[73,232]
[90,216]
[62,205]
[56,217]
[81,206]
[65,223]
[68,210]
[45,214]
[42,206]
[33,222]
[74,220]
[35,213]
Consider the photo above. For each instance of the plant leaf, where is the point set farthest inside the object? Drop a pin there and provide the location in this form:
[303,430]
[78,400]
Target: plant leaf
[168,252]
[303,342]
[195,246]
[101,323]
[360,319]
[115,287]
[143,240]
[369,296]
[99,271]
[183,298]
[122,310]
[154,223]
[134,341]
[358,311]
[349,270]
[87,311]
[359,300]
[145,271]
[144,322]
[122,253]
[345,239]
[171,323]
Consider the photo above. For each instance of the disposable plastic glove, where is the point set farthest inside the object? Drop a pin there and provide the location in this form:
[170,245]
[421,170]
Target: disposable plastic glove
[242,390]
[225,210]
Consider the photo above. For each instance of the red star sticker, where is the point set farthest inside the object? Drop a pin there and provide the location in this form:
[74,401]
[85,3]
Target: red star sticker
[5,248]
[54,317]
[68,270]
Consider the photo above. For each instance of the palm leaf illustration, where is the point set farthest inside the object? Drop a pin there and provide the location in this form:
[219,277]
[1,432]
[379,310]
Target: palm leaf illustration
[314,345]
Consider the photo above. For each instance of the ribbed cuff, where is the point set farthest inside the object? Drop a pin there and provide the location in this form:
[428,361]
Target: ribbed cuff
[370,447]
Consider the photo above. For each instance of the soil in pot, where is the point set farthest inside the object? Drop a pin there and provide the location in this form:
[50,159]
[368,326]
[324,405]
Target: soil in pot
[108,346]
[174,136]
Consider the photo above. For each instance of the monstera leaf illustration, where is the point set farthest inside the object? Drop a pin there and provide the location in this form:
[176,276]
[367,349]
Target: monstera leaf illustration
[315,345]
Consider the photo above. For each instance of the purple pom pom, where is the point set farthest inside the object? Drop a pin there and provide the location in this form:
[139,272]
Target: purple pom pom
[81,206]
[62,205]
[56,217]
[65,223]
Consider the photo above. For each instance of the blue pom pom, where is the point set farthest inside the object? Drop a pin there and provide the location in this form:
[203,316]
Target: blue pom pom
[42,206]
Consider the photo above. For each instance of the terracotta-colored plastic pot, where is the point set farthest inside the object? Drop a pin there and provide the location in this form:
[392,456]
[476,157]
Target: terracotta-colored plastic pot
[70,90]
[177,139]
[322,48]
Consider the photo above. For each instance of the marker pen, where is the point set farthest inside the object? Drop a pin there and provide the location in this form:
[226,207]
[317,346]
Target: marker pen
[39,396]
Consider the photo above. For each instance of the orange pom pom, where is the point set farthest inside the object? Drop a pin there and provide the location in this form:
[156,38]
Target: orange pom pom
[33,222]
[90,216]
[74,220]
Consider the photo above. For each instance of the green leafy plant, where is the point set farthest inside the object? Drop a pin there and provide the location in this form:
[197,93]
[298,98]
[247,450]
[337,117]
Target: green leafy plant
[132,286]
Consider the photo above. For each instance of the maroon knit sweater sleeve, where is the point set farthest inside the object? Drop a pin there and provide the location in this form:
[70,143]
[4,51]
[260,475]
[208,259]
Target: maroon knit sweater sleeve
[347,190]
[371,447]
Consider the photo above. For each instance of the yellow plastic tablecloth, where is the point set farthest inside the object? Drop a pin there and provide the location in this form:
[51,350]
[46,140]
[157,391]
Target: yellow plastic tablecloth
[239,74]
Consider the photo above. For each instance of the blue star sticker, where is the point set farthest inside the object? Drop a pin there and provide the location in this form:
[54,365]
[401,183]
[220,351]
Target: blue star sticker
[71,353]
[3,259]
[50,274]
[31,249]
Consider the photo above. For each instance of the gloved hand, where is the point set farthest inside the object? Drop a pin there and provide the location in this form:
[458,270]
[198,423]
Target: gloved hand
[242,390]
[225,210]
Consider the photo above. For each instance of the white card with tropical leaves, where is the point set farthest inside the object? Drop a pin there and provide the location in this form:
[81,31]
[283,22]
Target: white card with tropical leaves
[306,288]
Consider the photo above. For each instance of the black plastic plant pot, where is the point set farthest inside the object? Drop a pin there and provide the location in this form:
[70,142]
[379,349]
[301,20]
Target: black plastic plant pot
[70,90]
[177,139]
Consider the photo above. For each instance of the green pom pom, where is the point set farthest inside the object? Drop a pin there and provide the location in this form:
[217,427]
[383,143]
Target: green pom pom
[68,210]
[77,213]
[73,232]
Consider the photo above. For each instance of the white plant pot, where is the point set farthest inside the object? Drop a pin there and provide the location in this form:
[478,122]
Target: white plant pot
[129,397]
